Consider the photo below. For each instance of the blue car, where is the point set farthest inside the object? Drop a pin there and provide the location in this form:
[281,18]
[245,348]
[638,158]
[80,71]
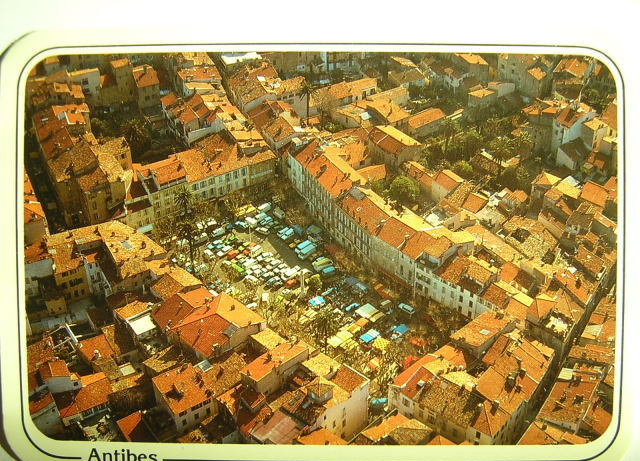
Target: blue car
[240,224]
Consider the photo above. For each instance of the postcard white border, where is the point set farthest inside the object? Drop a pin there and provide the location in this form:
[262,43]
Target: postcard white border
[31,49]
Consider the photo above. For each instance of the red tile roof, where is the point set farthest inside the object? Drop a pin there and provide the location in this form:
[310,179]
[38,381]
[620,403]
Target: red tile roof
[594,193]
[272,359]
[134,429]
[320,437]
[184,387]
[145,76]
[94,391]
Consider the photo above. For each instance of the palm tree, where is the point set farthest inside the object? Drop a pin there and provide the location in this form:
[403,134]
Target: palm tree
[309,91]
[449,129]
[184,200]
[324,325]
[501,148]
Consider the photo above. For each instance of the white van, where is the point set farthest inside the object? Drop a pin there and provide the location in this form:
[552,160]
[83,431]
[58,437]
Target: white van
[218,232]
[265,207]
[252,223]
[278,213]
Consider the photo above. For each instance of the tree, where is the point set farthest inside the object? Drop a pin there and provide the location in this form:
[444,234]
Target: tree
[490,129]
[403,189]
[463,169]
[449,129]
[137,137]
[234,200]
[378,186]
[501,148]
[184,199]
[522,143]
[309,91]
[326,104]
[414,91]
[471,142]
[336,75]
[324,325]
[100,128]
[516,178]
[314,284]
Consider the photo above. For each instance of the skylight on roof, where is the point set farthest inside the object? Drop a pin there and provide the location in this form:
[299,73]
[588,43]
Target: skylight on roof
[484,331]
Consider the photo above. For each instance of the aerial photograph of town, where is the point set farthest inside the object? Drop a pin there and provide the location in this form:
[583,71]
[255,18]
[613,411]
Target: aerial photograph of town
[321,247]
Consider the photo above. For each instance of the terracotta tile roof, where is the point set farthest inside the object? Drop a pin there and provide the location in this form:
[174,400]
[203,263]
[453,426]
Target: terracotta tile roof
[224,155]
[419,173]
[348,379]
[491,419]
[280,428]
[204,333]
[349,89]
[567,117]
[200,74]
[440,440]
[334,174]
[134,429]
[496,295]
[391,139]
[471,274]
[385,427]
[448,179]
[169,100]
[174,281]
[178,306]
[474,202]
[320,437]
[449,401]
[87,348]
[482,329]
[274,358]
[267,339]
[94,391]
[481,93]
[610,115]
[225,374]
[406,76]
[545,179]
[53,369]
[594,193]
[39,402]
[572,65]
[541,433]
[425,117]
[374,172]
[184,387]
[471,58]
[580,288]
[537,73]
[145,76]
[119,338]
[39,353]
[569,401]
[387,109]
[164,360]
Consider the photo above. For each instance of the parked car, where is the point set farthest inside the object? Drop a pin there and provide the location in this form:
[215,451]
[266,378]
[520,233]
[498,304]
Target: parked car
[262,230]
[240,224]
[265,207]
[218,232]
[292,283]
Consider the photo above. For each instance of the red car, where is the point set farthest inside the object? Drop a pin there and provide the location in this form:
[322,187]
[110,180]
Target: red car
[291,283]
[232,254]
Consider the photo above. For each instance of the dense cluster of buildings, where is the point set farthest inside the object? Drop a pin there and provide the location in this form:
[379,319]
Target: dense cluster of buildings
[533,272]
